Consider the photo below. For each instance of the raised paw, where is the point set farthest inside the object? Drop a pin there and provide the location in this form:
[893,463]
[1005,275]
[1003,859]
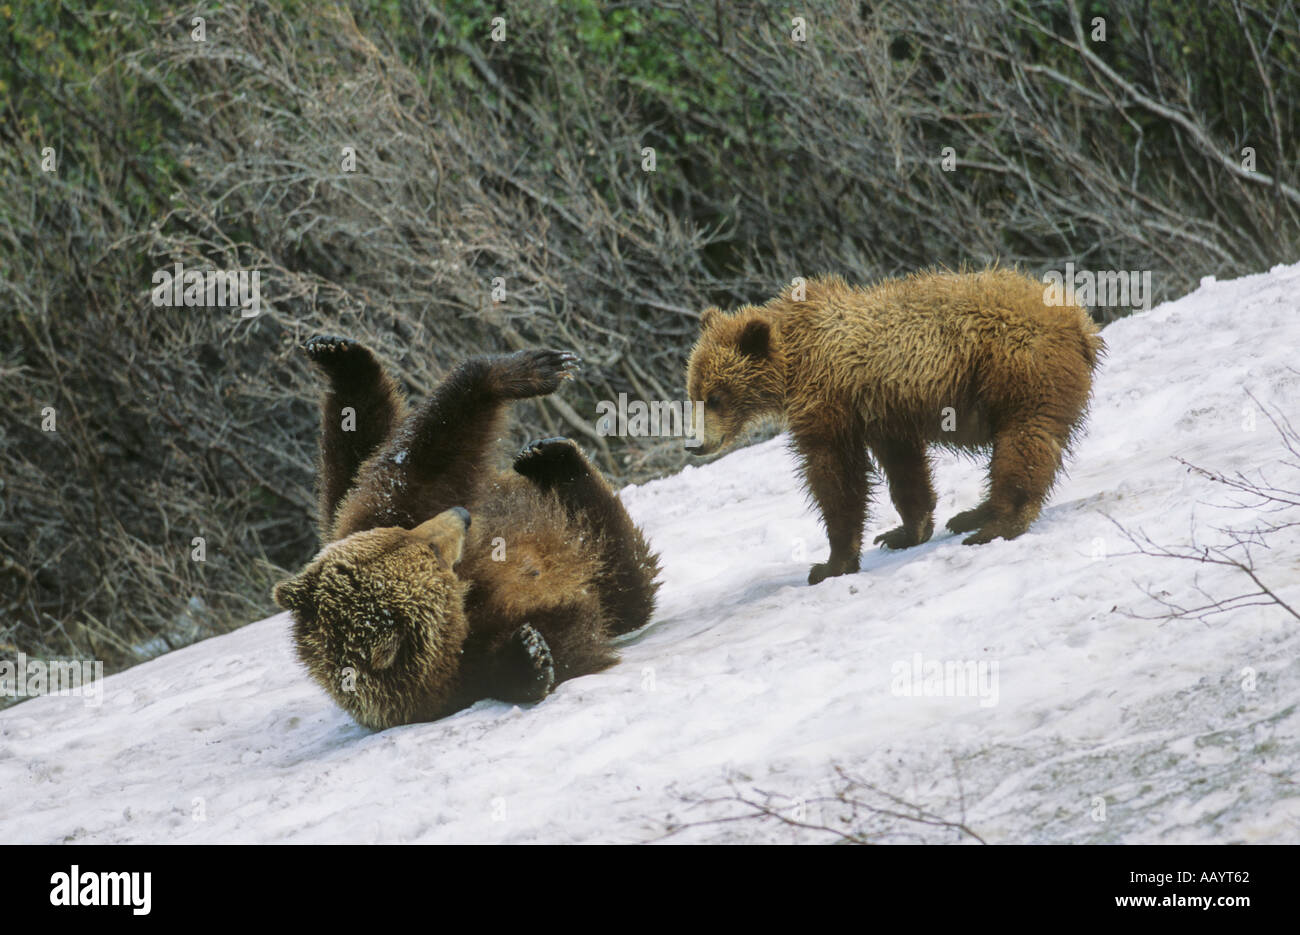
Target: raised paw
[552,459]
[327,345]
[526,374]
[525,667]
[339,356]
[904,537]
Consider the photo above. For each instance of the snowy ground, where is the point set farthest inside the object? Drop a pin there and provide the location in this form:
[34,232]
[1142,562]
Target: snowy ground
[1103,728]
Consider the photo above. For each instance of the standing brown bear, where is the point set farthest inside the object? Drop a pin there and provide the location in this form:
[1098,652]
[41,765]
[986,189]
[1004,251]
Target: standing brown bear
[964,360]
[445,581]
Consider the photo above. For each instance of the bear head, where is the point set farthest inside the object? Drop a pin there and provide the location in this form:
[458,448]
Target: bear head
[735,370]
[379,619]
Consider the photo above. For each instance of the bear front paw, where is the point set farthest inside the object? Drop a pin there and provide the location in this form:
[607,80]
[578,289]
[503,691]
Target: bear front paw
[526,670]
[549,459]
[526,374]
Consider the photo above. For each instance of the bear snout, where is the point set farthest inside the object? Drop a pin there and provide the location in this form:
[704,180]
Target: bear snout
[445,533]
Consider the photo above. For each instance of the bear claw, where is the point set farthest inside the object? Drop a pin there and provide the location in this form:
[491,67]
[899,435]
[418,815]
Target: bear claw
[323,344]
[997,529]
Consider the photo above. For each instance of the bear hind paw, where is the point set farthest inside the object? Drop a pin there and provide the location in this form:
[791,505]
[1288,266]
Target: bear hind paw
[904,537]
[832,569]
[339,356]
[526,374]
[969,520]
[995,530]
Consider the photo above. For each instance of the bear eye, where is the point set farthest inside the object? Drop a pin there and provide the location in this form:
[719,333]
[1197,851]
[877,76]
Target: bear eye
[713,401]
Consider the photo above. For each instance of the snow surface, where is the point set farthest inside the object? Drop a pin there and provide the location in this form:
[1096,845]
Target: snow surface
[750,684]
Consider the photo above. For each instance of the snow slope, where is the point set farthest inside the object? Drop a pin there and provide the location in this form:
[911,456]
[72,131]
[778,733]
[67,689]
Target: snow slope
[1105,727]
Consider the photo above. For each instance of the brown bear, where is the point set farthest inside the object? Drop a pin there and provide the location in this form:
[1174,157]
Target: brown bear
[965,360]
[445,581]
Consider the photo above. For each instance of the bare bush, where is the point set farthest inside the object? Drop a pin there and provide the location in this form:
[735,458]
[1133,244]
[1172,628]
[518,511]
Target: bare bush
[1241,548]
[854,811]
[1065,149]
[520,166]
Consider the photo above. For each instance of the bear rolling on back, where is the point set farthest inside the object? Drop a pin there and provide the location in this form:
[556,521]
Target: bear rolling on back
[969,361]
[443,580]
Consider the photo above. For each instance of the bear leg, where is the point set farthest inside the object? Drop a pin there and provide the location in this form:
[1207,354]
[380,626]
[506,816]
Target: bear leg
[907,468]
[449,438]
[626,581]
[1026,458]
[835,469]
[440,456]
[359,410]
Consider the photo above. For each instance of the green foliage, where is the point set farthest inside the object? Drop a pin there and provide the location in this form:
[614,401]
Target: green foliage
[64,83]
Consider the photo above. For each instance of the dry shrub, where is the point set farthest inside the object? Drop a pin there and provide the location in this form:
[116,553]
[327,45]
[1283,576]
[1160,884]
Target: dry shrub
[523,161]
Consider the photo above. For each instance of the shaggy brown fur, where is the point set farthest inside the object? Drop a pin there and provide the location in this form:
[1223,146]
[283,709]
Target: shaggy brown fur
[418,607]
[964,360]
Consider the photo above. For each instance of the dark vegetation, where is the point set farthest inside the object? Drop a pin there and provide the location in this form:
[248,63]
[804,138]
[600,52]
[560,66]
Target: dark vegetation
[523,160]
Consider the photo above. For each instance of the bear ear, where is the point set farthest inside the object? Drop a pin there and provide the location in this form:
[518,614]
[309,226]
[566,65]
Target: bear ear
[755,339]
[709,316]
[294,593]
[383,652]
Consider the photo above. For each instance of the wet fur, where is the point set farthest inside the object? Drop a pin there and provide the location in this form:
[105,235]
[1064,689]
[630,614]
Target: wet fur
[576,570]
[865,374]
